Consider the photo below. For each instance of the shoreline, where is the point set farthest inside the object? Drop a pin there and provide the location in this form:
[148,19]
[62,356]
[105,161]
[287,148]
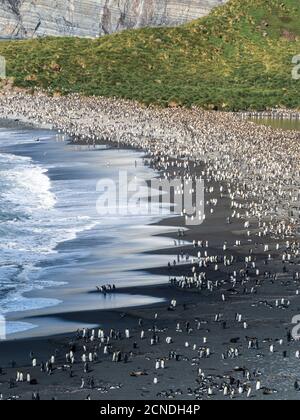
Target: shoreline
[231,333]
[32,317]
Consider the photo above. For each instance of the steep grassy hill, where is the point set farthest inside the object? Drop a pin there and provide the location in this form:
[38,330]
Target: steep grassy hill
[239,57]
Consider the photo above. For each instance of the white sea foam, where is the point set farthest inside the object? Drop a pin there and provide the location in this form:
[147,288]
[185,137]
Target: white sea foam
[14,327]
[43,205]
[30,188]
[32,224]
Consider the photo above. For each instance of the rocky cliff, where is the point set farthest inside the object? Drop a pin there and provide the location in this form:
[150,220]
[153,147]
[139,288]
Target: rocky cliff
[27,18]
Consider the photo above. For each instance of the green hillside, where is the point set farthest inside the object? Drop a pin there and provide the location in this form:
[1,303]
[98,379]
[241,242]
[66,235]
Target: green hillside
[239,57]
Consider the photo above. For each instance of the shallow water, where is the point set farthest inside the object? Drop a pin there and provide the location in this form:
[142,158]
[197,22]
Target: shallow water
[55,247]
[278,123]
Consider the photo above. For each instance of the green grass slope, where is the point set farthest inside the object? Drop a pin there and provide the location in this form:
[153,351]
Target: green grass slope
[238,57]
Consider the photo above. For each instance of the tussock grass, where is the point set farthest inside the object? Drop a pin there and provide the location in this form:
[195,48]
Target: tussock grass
[238,57]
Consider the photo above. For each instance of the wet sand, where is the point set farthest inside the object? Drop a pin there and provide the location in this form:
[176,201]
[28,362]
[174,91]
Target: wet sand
[179,380]
[230,341]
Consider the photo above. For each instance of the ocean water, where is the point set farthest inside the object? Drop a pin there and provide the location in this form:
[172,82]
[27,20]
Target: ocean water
[54,246]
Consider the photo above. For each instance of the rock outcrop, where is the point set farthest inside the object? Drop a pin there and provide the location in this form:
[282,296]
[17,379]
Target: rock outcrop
[92,18]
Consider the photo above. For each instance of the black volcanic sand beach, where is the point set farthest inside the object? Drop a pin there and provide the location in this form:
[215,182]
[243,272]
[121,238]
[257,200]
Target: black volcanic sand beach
[208,355]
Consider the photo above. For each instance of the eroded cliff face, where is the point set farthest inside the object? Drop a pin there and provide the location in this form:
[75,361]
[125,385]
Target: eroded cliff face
[27,18]
[92,18]
[118,15]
